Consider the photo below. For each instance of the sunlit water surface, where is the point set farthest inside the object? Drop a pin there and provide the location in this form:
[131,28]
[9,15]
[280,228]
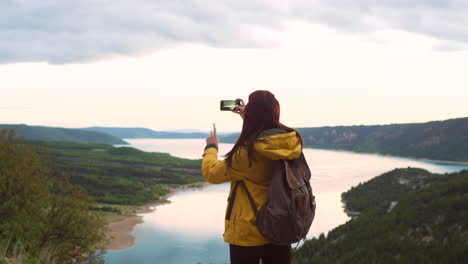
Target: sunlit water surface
[190,228]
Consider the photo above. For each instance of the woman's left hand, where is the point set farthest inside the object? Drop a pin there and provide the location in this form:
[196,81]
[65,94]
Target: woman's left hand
[240,109]
[213,137]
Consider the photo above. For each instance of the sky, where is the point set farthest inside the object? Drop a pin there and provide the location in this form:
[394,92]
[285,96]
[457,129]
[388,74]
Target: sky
[166,64]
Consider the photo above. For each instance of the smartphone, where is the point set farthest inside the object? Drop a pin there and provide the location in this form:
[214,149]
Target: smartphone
[229,105]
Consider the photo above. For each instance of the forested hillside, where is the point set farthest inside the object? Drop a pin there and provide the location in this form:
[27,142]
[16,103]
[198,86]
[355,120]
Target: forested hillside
[438,140]
[387,187]
[407,216]
[62,134]
[121,175]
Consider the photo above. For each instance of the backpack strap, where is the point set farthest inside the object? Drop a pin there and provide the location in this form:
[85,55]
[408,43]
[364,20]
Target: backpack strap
[251,200]
[232,197]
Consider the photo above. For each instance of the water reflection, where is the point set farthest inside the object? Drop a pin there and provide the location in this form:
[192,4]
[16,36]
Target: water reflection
[196,213]
[337,171]
[183,148]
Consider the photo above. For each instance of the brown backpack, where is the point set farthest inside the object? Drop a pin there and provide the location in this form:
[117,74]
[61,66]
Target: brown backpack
[289,209]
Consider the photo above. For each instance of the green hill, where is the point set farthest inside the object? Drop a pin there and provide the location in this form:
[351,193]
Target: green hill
[115,175]
[62,134]
[437,140]
[120,175]
[407,216]
[387,187]
[140,132]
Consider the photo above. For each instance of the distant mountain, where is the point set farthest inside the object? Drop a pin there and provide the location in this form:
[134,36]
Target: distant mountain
[229,138]
[438,140]
[185,130]
[140,132]
[62,134]
[406,216]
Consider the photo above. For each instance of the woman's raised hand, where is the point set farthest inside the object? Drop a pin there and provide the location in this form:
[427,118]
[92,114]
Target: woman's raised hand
[240,109]
[213,137]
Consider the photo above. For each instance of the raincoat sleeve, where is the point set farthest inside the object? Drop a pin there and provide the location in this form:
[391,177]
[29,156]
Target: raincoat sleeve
[216,171]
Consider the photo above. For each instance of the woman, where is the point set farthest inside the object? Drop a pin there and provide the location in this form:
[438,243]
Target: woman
[263,139]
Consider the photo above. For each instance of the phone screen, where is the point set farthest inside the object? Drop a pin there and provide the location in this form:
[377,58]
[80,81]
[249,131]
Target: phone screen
[229,105]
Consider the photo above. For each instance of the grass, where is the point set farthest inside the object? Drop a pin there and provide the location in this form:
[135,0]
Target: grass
[16,253]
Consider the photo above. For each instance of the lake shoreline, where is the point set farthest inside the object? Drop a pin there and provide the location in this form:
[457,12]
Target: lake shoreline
[444,161]
[348,212]
[119,236]
[119,232]
[390,155]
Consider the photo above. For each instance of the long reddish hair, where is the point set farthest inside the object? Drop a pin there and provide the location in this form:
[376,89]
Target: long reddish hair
[262,112]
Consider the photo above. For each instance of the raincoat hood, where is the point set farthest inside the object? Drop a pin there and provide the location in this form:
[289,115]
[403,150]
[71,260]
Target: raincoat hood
[279,146]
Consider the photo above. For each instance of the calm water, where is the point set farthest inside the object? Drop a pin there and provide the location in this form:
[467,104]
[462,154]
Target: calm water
[189,229]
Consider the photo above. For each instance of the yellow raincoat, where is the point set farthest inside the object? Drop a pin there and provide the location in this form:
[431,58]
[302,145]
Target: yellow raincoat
[241,229]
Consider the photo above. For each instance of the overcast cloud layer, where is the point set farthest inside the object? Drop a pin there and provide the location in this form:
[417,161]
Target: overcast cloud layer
[65,31]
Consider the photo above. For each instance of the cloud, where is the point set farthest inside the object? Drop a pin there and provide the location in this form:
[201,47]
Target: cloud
[64,31]
[444,20]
